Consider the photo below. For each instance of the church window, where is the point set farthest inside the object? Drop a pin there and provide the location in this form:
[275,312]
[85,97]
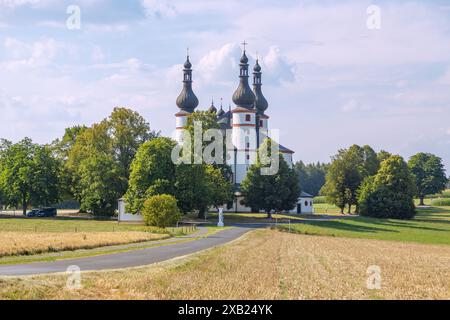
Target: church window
[248,157]
[306,203]
[248,118]
[261,123]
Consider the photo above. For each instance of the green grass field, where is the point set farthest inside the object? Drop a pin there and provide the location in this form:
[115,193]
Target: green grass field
[431,225]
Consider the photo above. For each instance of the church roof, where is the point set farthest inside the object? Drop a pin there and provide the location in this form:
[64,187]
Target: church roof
[283,149]
[212,108]
[244,96]
[187,100]
[303,194]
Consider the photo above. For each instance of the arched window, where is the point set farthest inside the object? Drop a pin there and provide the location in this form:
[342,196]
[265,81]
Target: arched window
[306,203]
[248,118]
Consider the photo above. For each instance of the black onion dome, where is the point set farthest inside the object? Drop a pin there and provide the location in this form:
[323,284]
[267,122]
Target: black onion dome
[257,67]
[261,103]
[187,64]
[212,108]
[244,96]
[187,100]
[220,112]
[244,58]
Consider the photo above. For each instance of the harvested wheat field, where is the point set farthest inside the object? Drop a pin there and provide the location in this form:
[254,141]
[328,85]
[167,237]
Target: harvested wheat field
[26,243]
[265,264]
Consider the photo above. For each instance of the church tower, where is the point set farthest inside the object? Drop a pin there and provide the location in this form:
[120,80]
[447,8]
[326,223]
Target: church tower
[261,105]
[244,125]
[187,101]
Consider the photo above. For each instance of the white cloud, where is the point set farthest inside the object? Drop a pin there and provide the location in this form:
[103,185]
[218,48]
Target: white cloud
[159,8]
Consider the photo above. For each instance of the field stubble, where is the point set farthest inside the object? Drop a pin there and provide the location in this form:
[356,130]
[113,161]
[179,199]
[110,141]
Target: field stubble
[266,264]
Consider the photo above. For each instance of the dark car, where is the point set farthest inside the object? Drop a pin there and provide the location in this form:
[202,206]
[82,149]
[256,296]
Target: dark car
[47,212]
[32,213]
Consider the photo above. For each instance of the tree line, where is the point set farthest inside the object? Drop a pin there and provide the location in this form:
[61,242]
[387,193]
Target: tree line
[381,184]
[118,157]
[122,156]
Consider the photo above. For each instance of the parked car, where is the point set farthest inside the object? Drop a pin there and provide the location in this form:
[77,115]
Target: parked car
[32,213]
[47,212]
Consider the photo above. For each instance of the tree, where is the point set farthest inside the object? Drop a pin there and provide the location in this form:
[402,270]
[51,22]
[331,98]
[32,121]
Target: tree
[128,131]
[347,171]
[390,193]
[152,173]
[193,188]
[198,185]
[46,177]
[383,155]
[219,188]
[161,211]
[277,192]
[98,181]
[429,174]
[29,174]
[62,146]
[113,143]
[311,176]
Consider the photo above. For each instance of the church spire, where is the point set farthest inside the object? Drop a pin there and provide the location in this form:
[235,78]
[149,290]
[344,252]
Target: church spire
[187,100]
[244,96]
[261,103]
[212,108]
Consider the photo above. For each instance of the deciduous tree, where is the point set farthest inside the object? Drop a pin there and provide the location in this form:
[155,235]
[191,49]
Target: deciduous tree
[429,174]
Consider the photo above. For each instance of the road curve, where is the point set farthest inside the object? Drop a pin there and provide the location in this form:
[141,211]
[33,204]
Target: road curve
[134,258]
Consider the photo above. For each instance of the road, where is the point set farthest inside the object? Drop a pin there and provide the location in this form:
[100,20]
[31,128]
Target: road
[134,258]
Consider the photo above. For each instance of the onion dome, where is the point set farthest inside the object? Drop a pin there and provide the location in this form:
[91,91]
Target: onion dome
[261,103]
[212,108]
[220,112]
[244,96]
[187,64]
[187,100]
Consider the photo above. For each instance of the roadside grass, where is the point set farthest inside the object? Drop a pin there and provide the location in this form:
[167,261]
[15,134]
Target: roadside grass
[431,225]
[264,264]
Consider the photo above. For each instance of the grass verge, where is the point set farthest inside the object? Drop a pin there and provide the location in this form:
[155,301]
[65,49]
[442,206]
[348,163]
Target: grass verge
[430,226]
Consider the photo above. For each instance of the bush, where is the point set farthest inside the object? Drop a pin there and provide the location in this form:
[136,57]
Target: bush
[441,202]
[161,211]
[390,193]
[320,199]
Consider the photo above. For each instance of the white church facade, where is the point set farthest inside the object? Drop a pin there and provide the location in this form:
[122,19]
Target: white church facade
[248,121]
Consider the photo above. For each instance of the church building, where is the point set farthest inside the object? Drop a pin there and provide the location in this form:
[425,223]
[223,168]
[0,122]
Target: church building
[248,120]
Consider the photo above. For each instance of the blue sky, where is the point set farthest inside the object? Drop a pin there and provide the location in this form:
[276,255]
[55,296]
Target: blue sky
[330,81]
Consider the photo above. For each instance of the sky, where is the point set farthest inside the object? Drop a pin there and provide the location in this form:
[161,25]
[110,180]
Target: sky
[335,73]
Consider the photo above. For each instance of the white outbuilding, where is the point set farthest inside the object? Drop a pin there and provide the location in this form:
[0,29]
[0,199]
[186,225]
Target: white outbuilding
[305,204]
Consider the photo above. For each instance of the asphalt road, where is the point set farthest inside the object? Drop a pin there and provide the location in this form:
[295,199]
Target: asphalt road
[134,258]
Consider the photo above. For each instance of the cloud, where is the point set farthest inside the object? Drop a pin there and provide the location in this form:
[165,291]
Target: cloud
[277,66]
[159,8]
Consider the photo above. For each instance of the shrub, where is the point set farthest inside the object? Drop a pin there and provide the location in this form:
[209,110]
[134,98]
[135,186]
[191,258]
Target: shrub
[320,199]
[390,193]
[441,202]
[161,211]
